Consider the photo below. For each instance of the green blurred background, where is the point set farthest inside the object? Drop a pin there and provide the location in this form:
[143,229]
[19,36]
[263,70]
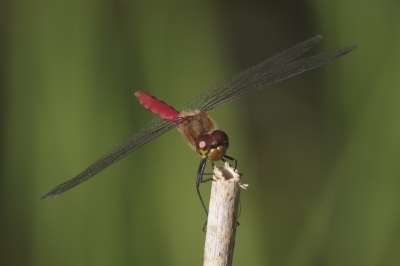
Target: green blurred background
[321,151]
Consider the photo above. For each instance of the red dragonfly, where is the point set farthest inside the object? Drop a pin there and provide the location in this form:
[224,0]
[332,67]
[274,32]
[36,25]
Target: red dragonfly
[194,123]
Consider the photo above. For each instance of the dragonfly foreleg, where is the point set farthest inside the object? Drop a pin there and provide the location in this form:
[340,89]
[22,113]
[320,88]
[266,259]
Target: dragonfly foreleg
[199,179]
[226,157]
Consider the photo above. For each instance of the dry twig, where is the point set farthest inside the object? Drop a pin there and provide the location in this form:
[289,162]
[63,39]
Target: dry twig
[222,217]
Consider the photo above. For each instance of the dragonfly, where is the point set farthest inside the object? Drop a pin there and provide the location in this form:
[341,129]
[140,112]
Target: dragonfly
[199,130]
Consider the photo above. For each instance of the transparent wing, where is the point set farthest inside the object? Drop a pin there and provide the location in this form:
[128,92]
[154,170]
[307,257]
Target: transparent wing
[271,71]
[152,130]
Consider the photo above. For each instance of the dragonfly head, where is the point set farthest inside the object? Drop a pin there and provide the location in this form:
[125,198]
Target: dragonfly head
[212,146]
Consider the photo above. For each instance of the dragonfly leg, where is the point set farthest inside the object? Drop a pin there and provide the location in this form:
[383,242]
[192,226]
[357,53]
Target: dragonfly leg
[199,180]
[230,159]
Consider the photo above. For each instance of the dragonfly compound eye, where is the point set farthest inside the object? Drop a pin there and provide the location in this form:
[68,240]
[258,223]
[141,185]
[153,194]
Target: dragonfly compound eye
[203,144]
[221,138]
[212,146]
[219,145]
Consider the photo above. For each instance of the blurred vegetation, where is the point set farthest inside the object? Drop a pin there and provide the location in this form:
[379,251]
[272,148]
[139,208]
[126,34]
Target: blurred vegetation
[320,151]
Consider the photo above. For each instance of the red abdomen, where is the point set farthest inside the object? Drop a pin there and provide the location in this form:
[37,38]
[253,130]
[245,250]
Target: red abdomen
[156,106]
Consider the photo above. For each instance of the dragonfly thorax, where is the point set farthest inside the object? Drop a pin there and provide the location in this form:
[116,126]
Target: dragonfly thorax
[194,125]
[212,146]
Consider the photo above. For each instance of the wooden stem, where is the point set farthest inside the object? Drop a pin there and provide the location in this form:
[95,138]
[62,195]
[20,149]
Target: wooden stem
[222,217]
